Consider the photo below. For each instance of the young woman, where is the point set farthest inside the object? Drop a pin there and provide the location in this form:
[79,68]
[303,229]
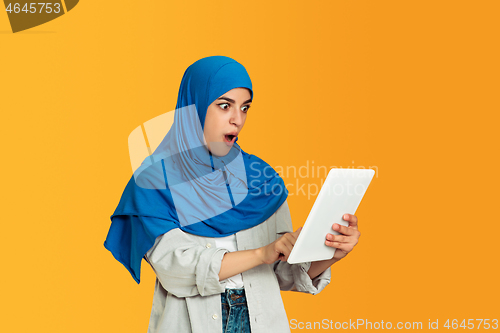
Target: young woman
[213,221]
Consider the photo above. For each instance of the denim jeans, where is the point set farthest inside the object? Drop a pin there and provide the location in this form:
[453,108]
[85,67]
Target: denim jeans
[234,311]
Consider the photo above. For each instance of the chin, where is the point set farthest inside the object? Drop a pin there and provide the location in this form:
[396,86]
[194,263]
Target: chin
[220,152]
[219,148]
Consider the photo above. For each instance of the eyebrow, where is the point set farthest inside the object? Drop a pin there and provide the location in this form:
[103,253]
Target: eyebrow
[232,100]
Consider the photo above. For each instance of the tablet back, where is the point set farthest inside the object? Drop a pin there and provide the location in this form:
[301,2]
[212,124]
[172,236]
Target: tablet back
[340,194]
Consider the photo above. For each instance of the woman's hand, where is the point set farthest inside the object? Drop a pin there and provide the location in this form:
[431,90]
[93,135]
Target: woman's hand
[279,249]
[349,237]
[344,244]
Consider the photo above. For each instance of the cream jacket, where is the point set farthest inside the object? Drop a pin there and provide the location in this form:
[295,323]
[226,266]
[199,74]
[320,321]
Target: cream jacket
[187,289]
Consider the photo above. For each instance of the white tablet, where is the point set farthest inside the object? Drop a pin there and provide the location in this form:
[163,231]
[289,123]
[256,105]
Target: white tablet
[340,194]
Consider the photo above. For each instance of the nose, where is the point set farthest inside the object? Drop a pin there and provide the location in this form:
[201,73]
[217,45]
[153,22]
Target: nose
[236,117]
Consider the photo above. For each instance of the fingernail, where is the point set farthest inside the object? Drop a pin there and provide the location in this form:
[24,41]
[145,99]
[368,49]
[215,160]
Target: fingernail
[346,217]
[335,226]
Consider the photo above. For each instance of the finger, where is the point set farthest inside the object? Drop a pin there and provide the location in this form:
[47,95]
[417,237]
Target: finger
[347,247]
[290,237]
[296,233]
[284,242]
[352,219]
[344,230]
[339,238]
[289,242]
[284,250]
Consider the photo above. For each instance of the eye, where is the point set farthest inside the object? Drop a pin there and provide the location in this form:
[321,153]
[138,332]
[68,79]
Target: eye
[245,108]
[223,108]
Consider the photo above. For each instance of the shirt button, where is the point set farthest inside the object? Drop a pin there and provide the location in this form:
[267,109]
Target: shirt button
[208,245]
[214,316]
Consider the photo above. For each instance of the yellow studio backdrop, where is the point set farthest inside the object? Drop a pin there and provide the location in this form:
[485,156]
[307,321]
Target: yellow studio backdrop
[410,89]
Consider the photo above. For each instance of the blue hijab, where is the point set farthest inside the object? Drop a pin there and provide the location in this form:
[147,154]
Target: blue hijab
[182,185]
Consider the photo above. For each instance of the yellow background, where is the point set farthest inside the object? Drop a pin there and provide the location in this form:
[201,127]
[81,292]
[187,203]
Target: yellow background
[411,87]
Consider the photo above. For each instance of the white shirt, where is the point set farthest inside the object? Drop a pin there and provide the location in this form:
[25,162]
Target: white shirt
[187,289]
[229,243]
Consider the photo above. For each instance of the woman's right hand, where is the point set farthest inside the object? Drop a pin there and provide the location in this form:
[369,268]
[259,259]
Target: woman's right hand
[279,249]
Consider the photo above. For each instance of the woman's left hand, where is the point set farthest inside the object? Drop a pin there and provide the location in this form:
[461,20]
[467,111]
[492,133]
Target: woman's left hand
[344,243]
[348,238]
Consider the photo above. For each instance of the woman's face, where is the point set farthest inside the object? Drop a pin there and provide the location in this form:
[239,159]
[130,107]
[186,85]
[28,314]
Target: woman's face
[225,119]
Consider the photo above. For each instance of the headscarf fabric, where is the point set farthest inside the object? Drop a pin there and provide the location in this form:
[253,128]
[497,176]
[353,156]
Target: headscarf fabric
[182,185]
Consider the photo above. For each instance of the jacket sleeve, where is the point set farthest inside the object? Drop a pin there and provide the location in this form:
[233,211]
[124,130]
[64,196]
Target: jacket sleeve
[184,267]
[294,277]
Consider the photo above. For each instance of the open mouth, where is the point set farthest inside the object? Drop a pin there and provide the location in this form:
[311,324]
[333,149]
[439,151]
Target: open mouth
[229,139]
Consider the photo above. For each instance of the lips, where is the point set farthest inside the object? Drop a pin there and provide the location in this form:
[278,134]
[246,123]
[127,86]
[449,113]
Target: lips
[229,138]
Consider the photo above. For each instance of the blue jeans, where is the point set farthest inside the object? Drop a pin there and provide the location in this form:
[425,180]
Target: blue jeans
[234,311]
